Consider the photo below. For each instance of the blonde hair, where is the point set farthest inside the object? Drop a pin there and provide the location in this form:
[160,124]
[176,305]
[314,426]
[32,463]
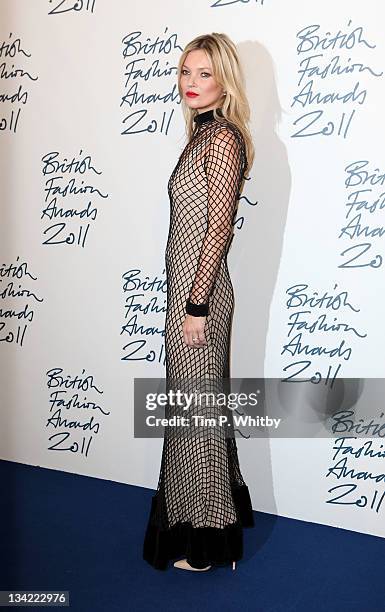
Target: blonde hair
[228,73]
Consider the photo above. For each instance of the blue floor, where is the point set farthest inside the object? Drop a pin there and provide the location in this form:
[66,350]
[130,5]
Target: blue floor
[84,535]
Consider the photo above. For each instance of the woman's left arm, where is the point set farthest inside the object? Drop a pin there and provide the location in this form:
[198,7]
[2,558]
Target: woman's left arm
[223,165]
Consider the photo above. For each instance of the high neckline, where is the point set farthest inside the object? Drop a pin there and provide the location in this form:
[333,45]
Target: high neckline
[206,116]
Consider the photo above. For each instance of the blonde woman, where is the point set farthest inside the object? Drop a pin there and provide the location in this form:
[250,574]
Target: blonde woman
[202,502]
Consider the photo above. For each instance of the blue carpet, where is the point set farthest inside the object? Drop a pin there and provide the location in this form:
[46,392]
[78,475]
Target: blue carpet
[85,535]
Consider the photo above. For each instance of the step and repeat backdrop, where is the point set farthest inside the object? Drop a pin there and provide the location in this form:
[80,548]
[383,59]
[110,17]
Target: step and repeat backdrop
[90,129]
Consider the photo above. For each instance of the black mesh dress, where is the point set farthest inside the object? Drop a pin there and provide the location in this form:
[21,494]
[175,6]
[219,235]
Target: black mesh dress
[202,502]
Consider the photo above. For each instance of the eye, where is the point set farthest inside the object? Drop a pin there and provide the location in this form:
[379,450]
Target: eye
[184,70]
[206,73]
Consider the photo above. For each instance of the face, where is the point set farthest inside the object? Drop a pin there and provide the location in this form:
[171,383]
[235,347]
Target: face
[197,77]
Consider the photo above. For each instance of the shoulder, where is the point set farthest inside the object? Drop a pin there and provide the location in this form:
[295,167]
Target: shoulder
[225,134]
[227,144]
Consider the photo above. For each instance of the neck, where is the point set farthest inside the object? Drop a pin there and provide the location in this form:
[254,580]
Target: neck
[206,116]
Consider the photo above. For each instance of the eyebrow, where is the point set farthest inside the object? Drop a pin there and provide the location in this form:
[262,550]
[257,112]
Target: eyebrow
[199,68]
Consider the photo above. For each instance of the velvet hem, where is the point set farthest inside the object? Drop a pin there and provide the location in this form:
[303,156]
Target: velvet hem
[200,545]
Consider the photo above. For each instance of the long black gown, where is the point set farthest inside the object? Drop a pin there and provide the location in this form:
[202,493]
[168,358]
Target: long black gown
[202,502]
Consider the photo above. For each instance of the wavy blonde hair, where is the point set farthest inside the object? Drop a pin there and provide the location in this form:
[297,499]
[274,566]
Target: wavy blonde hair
[228,73]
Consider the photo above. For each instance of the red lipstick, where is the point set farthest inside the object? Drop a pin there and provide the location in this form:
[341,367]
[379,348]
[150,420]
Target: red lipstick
[191,94]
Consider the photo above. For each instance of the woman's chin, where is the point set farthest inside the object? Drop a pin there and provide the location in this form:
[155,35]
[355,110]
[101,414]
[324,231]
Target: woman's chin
[193,102]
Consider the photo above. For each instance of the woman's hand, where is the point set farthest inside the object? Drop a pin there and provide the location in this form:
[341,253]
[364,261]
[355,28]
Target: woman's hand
[193,327]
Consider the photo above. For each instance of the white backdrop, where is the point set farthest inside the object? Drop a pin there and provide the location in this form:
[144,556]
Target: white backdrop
[91,128]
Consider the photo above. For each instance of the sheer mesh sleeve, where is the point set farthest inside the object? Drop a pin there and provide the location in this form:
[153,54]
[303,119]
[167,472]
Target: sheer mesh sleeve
[224,167]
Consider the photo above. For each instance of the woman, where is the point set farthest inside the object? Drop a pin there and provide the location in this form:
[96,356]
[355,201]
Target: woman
[202,502]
